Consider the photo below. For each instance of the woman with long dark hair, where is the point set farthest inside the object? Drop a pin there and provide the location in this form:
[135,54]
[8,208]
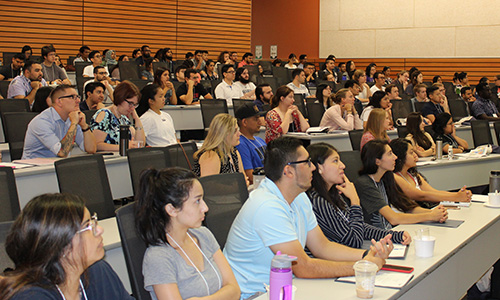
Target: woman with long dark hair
[162,78]
[336,203]
[412,183]
[56,246]
[422,141]
[379,193]
[183,259]
[443,127]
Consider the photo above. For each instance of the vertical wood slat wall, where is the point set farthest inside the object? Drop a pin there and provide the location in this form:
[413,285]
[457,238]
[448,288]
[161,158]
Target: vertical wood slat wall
[125,25]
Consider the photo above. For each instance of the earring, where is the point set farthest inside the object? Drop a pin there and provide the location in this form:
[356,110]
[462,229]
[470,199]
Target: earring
[320,171]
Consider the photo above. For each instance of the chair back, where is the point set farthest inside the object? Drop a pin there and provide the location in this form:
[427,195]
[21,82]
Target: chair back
[316,111]
[140,83]
[86,176]
[458,109]
[496,125]
[224,195]
[481,133]
[299,101]
[181,155]
[9,200]
[140,159]
[12,105]
[15,125]
[210,108]
[352,162]
[207,84]
[282,75]
[129,70]
[402,132]
[5,261]
[89,114]
[273,82]
[359,107]
[253,71]
[419,106]
[79,66]
[400,109]
[237,103]
[355,137]
[133,250]
[161,64]
[214,84]
[4,88]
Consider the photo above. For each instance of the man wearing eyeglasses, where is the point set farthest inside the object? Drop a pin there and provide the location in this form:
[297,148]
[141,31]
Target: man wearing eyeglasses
[96,59]
[53,132]
[101,75]
[226,89]
[278,216]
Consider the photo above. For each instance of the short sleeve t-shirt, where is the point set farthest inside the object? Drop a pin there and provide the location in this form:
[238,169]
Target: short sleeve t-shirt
[252,152]
[199,90]
[373,197]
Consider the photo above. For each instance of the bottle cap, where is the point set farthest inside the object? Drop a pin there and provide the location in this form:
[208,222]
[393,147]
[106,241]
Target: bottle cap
[282,260]
[496,173]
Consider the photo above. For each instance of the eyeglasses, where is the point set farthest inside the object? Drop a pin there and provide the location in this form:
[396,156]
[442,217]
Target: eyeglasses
[102,73]
[92,225]
[132,104]
[308,161]
[73,97]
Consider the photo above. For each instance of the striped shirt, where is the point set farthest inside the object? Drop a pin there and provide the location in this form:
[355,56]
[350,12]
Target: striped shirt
[346,226]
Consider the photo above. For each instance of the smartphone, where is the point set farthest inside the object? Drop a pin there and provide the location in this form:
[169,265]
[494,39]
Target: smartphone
[395,268]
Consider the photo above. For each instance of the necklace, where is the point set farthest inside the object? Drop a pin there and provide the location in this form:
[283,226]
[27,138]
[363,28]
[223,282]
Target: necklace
[82,291]
[197,270]
[257,147]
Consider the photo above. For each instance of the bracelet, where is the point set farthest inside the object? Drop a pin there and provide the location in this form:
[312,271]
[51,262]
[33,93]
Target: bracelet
[138,128]
[85,130]
[365,253]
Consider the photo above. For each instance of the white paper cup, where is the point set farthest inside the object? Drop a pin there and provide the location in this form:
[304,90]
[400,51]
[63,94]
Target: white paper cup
[494,199]
[425,247]
[365,278]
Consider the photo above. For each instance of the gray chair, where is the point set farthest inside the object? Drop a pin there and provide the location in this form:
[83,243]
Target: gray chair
[402,132]
[299,101]
[400,109]
[272,81]
[224,195]
[13,105]
[89,114]
[352,162]
[481,133]
[496,125]
[15,125]
[129,70]
[419,106]
[316,111]
[237,103]
[140,159]
[86,176]
[133,250]
[5,262]
[355,138]
[9,200]
[4,88]
[210,108]
[458,109]
[181,155]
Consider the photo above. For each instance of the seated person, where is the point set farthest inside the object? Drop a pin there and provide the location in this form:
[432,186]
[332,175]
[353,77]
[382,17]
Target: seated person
[297,84]
[392,92]
[52,132]
[162,78]
[434,107]
[378,100]
[243,86]
[376,127]
[380,196]
[106,121]
[191,90]
[100,75]
[169,211]
[422,141]
[365,94]
[336,203]
[416,77]
[12,70]
[94,96]
[225,89]
[52,73]
[443,127]
[158,125]
[26,85]
[292,60]
[324,95]
[218,154]
[42,99]
[310,72]
[278,216]
[96,59]
[343,115]
[412,183]
[263,95]
[379,79]
[420,91]
[56,246]
[483,108]
[284,117]
[147,73]
[251,147]
[467,96]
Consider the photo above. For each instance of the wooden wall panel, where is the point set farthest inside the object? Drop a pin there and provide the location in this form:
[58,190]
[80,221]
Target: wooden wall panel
[125,25]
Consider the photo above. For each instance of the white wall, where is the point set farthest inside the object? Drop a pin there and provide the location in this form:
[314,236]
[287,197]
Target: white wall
[409,28]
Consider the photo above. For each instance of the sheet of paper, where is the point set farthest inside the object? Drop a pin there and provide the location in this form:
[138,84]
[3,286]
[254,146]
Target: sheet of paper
[385,279]
[480,198]
[399,251]
[14,165]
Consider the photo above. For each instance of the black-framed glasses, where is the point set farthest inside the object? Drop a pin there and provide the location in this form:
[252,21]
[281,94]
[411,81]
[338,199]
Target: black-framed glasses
[92,225]
[308,161]
[132,104]
[73,97]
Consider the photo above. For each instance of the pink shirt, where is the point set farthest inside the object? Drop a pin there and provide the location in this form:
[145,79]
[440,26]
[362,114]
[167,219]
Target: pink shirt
[334,120]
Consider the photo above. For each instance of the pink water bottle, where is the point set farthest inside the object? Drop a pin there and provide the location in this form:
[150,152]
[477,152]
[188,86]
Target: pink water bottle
[280,280]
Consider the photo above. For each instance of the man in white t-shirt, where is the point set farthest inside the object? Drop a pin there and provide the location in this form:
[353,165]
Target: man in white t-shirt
[297,85]
[96,59]
[379,78]
[243,86]
[225,89]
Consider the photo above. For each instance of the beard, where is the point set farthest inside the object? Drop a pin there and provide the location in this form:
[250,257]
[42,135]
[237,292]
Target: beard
[244,81]
[169,57]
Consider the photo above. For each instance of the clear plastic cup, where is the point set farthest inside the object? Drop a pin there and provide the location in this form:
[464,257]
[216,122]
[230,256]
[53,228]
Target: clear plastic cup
[365,278]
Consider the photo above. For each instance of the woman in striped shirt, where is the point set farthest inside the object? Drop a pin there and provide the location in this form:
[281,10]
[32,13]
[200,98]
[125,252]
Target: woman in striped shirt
[336,203]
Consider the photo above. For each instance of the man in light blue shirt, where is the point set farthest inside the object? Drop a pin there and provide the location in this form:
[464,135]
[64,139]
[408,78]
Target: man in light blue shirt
[278,216]
[53,132]
[27,84]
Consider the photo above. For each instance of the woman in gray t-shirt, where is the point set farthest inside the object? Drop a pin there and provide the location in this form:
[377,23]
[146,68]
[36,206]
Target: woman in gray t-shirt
[183,259]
